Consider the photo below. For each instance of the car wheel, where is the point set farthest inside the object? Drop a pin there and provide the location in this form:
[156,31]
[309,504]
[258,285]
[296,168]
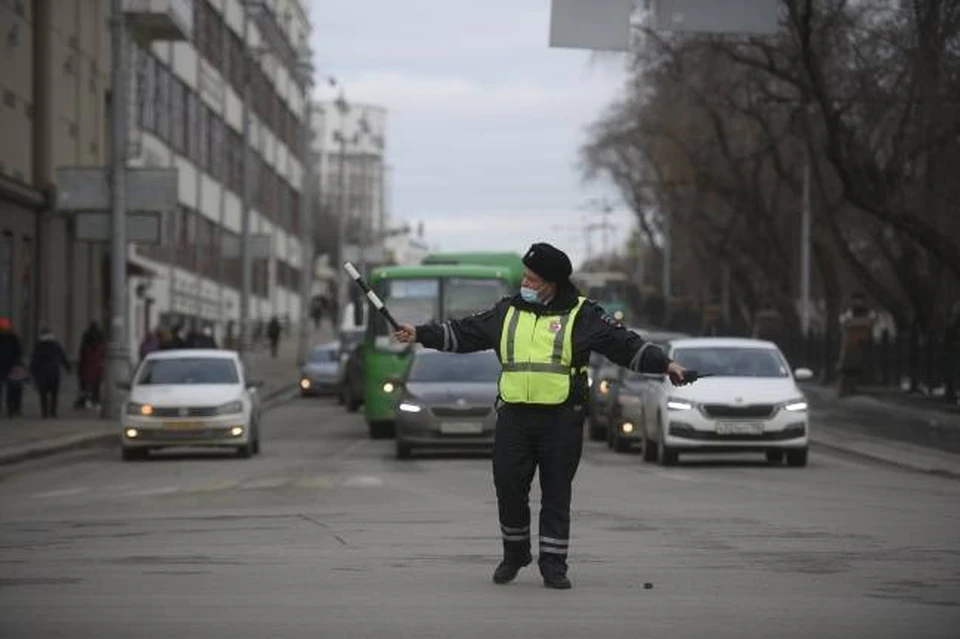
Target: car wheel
[245,451]
[255,446]
[649,449]
[133,454]
[381,430]
[403,450]
[597,432]
[620,444]
[666,455]
[797,458]
[774,457]
[353,404]
[341,400]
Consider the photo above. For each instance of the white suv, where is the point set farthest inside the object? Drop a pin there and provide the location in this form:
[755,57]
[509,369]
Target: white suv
[749,401]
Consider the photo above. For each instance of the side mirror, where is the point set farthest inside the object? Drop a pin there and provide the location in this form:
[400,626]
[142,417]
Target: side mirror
[803,374]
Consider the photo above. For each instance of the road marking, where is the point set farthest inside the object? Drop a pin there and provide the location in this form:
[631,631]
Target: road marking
[676,476]
[264,484]
[63,492]
[149,492]
[319,481]
[362,481]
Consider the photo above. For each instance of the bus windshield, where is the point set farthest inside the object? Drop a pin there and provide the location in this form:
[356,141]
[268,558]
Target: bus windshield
[417,301]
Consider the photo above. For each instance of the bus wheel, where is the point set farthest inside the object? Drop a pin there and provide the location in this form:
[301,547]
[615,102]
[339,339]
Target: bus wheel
[381,430]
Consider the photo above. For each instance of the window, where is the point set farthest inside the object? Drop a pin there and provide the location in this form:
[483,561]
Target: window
[193,126]
[189,371]
[466,296]
[162,100]
[217,150]
[733,361]
[436,367]
[203,156]
[178,102]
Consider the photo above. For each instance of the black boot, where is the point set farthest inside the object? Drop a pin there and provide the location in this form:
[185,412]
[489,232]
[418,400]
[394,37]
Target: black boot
[509,567]
[555,575]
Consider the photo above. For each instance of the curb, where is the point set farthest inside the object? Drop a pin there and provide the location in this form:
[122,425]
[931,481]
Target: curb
[59,445]
[109,437]
[907,458]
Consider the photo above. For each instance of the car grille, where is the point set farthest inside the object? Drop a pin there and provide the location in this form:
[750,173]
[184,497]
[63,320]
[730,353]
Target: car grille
[464,411]
[724,411]
[158,435]
[191,411]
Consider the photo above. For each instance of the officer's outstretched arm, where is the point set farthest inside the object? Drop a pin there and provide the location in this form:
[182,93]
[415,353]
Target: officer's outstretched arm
[478,332]
[606,336]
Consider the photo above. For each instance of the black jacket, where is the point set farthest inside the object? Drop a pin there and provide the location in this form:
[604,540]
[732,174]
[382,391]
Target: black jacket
[48,357]
[593,331]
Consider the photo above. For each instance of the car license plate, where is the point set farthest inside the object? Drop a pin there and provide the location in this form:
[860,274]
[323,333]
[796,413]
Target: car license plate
[739,428]
[183,425]
[461,428]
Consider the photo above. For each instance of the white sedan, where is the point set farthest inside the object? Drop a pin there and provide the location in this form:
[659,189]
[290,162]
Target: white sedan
[749,402]
[194,397]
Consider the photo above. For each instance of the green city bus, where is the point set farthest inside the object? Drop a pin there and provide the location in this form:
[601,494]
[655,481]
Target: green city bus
[510,261]
[417,295]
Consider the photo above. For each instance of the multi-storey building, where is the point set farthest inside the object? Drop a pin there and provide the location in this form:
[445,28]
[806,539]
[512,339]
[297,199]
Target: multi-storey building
[186,112]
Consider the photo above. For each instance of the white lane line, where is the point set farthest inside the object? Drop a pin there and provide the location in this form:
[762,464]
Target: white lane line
[63,492]
[149,492]
[264,484]
[362,481]
[675,476]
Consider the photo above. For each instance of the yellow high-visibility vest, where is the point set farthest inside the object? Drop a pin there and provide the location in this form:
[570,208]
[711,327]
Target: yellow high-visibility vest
[536,354]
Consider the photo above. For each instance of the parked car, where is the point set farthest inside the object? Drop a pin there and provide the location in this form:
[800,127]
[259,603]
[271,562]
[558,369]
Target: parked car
[192,397]
[322,374]
[602,373]
[446,400]
[750,402]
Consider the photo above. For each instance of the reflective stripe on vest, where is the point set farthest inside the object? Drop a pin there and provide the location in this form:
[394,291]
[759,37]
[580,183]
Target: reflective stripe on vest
[536,354]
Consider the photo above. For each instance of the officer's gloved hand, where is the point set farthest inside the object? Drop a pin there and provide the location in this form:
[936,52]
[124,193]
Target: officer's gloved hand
[676,372]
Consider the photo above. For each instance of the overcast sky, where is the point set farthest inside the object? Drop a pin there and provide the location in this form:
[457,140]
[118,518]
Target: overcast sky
[484,120]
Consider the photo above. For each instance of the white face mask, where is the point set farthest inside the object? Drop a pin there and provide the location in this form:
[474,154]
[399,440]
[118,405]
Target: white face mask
[530,295]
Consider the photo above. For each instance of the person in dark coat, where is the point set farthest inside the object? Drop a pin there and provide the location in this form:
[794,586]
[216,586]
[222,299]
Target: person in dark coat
[48,358]
[90,365]
[273,334]
[11,358]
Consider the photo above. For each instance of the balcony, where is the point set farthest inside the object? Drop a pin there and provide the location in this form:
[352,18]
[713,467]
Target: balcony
[165,20]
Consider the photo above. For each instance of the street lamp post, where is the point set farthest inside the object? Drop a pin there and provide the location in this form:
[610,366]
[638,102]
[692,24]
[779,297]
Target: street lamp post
[118,359]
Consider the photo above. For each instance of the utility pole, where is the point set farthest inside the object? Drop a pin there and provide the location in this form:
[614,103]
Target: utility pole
[343,107]
[805,251]
[245,266]
[118,364]
[306,222]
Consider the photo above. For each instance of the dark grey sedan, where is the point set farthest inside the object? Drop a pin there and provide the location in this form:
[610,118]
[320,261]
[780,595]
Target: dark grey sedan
[322,373]
[447,401]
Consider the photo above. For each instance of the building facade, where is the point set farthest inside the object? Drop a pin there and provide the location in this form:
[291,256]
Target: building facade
[186,109]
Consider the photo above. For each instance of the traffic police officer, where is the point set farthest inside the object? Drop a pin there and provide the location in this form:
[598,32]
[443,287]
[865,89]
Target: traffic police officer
[544,336]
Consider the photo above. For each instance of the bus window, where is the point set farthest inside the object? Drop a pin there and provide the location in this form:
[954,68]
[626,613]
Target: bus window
[466,296]
[411,302]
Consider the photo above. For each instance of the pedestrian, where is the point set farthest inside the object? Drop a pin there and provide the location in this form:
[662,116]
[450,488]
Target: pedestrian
[90,366]
[48,357]
[273,334]
[11,363]
[544,336]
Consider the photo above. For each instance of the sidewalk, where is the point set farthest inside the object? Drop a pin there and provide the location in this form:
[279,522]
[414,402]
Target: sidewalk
[30,436]
[923,437]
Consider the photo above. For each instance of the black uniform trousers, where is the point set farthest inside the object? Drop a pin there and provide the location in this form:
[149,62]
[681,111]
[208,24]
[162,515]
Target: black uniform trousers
[527,438]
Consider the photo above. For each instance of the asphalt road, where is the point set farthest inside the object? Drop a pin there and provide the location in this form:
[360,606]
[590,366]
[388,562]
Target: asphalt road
[327,535]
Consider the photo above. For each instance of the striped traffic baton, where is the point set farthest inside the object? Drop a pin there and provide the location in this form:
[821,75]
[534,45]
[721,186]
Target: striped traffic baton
[374,299]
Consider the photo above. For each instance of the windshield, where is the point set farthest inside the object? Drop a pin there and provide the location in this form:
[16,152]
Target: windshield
[323,355]
[432,366]
[463,297]
[188,370]
[733,361]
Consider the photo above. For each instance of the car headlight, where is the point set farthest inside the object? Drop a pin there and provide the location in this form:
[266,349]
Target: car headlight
[389,387]
[410,407]
[134,408]
[604,387]
[678,404]
[230,408]
[795,405]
